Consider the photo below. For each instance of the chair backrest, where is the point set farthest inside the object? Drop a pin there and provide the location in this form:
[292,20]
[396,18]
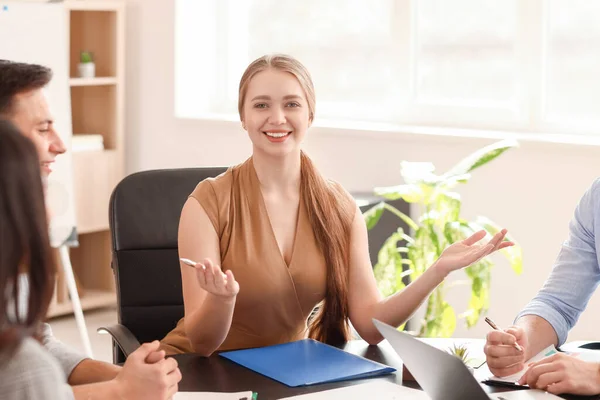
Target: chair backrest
[144,217]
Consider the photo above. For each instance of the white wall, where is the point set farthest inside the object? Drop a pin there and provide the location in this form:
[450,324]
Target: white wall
[532,191]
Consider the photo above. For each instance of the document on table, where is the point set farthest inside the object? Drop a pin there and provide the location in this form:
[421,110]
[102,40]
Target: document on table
[212,396]
[525,395]
[379,389]
[583,354]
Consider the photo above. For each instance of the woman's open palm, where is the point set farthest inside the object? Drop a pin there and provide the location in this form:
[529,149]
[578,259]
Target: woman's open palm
[469,251]
[213,280]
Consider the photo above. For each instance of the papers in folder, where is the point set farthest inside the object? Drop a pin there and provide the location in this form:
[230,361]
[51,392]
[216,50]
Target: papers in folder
[306,362]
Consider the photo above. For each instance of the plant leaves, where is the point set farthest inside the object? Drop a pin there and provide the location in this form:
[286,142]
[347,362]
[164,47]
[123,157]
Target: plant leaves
[441,325]
[409,193]
[476,307]
[389,261]
[448,321]
[420,252]
[480,275]
[481,157]
[457,230]
[514,254]
[407,220]
[373,214]
[450,181]
[414,172]
[439,225]
[448,205]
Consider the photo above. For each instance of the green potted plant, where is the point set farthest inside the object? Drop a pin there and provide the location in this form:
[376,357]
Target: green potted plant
[462,353]
[438,225]
[86,66]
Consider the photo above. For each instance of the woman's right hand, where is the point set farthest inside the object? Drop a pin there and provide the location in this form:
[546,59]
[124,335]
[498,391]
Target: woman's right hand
[214,281]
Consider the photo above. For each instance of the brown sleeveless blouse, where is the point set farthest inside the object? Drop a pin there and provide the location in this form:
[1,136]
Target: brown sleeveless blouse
[275,299]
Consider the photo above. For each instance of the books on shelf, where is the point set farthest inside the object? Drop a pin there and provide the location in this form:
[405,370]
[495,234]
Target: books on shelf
[87,142]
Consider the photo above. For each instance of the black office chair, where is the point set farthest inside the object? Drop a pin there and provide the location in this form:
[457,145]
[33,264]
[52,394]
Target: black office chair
[144,218]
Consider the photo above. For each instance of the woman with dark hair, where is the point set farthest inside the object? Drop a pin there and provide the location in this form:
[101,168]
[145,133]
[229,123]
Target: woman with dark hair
[147,374]
[27,370]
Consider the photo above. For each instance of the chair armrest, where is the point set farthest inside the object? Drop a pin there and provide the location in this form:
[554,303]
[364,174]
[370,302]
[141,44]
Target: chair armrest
[122,336]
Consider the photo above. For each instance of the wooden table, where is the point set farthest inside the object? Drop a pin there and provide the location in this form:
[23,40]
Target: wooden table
[217,374]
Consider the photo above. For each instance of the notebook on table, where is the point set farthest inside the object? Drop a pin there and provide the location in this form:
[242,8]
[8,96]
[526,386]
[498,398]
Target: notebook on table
[512,380]
[306,362]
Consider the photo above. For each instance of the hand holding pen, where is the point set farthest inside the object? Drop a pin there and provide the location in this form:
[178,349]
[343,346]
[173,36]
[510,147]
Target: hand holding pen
[495,327]
[505,350]
[212,279]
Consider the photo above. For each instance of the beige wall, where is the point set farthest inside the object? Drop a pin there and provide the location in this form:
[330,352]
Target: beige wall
[532,191]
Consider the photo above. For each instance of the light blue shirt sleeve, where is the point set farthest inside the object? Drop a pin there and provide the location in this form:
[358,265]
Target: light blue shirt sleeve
[576,273]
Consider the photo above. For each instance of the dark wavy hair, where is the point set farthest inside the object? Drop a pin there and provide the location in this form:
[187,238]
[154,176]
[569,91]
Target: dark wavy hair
[24,243]
[16,77]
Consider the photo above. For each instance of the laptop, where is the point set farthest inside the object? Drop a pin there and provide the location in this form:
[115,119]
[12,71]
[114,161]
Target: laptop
[441,375]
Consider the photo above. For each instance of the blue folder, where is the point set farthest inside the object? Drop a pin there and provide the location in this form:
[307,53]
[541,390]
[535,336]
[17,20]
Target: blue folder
[306,362]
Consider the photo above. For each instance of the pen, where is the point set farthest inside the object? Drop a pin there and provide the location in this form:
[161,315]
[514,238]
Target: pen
[189,262]
[192,263]
[494,326]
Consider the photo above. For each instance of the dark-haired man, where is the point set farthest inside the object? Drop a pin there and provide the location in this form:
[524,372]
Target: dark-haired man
[147,374]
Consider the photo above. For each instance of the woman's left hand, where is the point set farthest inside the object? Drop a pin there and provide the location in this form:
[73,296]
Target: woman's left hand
[466,252]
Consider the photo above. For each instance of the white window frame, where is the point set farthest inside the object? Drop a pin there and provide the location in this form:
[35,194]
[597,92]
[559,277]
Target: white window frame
[221,75]
[523,115]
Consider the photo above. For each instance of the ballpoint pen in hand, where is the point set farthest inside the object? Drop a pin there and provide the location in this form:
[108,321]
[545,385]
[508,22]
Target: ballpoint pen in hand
[189,262]
[494,326]
[192,263]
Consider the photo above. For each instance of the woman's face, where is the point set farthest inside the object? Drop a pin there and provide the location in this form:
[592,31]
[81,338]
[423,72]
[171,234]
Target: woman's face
[275,113]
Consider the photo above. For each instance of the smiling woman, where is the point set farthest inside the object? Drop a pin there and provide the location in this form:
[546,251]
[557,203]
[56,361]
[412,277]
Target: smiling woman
[283,116]
[289,241]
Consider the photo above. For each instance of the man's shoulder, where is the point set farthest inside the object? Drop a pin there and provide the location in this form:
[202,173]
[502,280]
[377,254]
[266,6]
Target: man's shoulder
[590,200]
[595,188]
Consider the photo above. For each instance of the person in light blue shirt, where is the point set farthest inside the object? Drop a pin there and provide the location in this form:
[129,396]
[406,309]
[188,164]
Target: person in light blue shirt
[556,308]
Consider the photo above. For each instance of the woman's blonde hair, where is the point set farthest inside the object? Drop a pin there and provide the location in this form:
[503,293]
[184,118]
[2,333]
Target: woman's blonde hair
[330,219]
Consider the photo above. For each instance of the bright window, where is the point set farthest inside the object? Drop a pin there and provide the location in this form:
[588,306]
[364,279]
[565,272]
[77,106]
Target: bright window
[495,64]
[573,62]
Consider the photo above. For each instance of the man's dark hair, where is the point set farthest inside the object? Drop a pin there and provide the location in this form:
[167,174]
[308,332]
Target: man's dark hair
[16,77]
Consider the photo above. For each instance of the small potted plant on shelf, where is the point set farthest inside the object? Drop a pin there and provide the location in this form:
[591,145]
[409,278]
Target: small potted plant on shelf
[87,67]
